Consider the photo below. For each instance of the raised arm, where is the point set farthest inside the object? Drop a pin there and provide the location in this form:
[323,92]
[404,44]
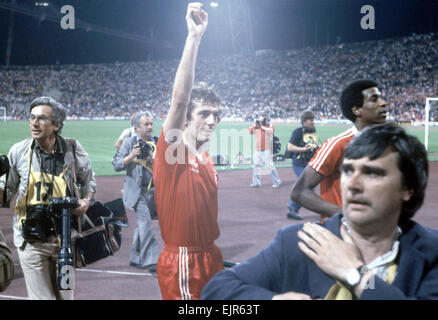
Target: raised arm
[303,194]
[197,21]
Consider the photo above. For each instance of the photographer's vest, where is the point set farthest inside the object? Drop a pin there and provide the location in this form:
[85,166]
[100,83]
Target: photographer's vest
[41,188]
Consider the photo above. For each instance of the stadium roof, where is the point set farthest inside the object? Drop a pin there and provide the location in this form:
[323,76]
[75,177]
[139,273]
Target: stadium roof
[135,30]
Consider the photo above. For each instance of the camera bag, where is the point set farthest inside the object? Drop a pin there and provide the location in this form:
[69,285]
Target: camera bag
[6,264]
[97,237]
[92,243]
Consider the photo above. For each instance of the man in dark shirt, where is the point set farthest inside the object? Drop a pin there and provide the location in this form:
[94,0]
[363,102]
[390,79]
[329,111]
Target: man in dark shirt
[302,144]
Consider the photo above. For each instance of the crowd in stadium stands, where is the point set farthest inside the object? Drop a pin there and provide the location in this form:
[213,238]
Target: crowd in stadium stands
[278,83]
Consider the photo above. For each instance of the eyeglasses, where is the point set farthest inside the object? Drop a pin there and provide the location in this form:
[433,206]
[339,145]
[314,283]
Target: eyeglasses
[41,119]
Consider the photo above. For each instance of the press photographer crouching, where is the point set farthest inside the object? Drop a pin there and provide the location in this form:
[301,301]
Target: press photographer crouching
[43,168]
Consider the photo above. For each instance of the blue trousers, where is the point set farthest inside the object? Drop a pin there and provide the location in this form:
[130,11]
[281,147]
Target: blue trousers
[298,172]
[144,248]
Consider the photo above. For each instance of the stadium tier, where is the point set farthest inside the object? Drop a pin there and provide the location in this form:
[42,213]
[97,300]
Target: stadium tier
[278,83]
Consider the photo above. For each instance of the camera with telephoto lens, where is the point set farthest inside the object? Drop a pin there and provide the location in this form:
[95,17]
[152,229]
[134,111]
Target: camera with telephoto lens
[56,205]
[145,149]
[61,207]
[64,203]
[44,221]
[4,164]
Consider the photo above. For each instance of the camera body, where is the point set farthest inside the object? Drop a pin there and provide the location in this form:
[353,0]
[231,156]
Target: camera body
[146,148]
[307,156]
[4,164]
[262,122]
[38,225]
[43,221]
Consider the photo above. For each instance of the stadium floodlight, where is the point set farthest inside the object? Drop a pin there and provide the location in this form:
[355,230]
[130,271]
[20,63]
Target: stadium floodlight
[214,4]
[427,122]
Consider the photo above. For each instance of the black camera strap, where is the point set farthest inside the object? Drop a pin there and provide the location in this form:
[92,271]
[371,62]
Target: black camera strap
[28,174]
[141,164]
[47,187]
[49,190]
[4,204]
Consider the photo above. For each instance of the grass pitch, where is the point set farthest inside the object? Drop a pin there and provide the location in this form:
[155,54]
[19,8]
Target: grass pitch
[98,138]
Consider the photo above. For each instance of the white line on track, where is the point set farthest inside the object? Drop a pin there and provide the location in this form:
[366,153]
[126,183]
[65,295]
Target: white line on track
[87,270]
[117,272]
[13,297]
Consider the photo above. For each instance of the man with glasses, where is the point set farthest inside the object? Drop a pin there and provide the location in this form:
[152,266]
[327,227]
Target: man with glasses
[43,167]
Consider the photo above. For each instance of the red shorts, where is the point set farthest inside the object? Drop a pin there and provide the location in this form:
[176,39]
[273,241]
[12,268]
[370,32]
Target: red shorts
[184,271]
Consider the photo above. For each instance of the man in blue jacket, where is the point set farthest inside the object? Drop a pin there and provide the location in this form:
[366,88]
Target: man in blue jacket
[372,250]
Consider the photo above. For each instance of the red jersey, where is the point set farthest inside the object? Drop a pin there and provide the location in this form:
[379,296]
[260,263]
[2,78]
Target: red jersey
[186,195]
[263,137]
[327,161]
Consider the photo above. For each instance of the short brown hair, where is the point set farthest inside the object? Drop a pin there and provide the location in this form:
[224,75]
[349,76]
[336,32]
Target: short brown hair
[202,93]
[307,115]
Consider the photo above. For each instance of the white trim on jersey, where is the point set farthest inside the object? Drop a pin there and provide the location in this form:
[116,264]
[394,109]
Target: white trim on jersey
[328,146]
[184,274]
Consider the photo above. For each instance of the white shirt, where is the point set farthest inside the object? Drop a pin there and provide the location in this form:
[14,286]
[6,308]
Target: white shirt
[380,265]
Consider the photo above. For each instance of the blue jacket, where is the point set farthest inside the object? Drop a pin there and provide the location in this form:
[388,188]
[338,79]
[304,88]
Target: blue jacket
[282,267]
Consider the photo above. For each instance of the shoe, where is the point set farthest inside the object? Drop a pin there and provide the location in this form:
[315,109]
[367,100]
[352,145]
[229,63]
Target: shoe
[292,214]
[152,268]
[255,185]
[276,185]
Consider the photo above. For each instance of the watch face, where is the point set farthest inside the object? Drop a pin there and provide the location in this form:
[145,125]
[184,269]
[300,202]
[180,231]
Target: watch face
[352,277]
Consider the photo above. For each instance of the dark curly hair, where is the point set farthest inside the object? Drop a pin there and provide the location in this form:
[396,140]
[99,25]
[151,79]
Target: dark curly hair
[352,96]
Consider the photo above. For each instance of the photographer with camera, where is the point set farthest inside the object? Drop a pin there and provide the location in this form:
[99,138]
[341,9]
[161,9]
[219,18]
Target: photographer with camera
[263,131]
[43,168]
[302,146]
[6,261]
[136,156]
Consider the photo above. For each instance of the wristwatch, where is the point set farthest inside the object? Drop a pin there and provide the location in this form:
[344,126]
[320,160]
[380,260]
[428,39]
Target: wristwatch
[353,277]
